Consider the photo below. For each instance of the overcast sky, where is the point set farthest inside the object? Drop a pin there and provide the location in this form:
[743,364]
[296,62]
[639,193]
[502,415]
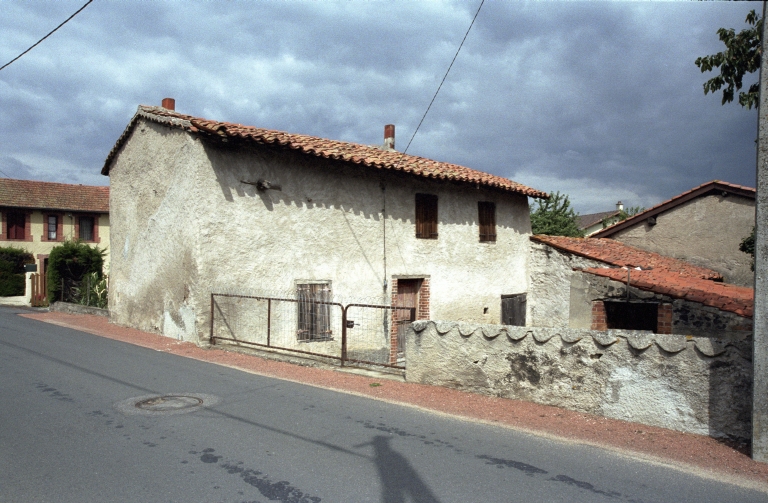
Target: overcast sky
[600,100]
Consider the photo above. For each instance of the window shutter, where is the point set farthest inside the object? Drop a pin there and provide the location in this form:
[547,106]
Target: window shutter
[426,216]
[486,213]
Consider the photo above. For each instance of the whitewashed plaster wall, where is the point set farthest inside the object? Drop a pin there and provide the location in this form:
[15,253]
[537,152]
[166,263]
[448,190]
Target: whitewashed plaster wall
[549,285]
[184,225]
[690,384]
[705,231]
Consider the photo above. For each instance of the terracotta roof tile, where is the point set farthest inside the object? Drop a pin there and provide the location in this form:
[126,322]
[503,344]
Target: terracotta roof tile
[731,298]
[618,254]
[362,155]
[584,221]
[53,196]
[701,190]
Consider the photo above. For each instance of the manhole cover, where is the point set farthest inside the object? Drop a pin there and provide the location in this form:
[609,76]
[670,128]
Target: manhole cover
[166,404]
[169,403]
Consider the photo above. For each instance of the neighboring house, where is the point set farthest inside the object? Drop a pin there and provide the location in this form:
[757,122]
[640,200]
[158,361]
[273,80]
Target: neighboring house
[703,226]
[593,222]
[37,216]
[582,283]
[200,206]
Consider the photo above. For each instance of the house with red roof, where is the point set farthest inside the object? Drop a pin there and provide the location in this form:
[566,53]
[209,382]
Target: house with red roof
[703,226]
[200,206]
[36,216]
[601,284]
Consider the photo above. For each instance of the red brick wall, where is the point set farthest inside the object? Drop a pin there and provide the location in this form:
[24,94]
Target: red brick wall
[599,320]
[664,319]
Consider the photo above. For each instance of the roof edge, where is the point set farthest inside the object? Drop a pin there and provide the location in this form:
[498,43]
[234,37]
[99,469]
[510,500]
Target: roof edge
[701,190]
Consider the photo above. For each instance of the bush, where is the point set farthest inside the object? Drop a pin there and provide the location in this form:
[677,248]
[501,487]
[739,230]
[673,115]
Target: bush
[71,261]
[12,279]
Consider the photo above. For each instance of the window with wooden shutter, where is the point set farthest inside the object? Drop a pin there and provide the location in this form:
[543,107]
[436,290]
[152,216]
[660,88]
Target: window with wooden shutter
[426,216]
[15,223]
[486,215]
[314,312]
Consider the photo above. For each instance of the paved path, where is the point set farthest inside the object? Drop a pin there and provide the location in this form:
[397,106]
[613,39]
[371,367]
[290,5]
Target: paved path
[692,453]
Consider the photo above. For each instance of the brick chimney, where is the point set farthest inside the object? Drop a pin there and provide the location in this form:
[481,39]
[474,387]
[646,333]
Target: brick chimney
[169,104]
[389,137]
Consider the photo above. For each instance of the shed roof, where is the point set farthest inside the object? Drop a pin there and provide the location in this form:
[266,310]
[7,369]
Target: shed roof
[715,186]
[618,254]
[657,273]
[53,196]
[362,155]
[590,219]
[731,298]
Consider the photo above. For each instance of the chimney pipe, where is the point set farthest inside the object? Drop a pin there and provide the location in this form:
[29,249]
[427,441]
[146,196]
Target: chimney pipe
[389,137]
[169,103]
[619,206]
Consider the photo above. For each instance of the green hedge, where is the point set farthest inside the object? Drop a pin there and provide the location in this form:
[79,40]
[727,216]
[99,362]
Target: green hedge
[12,260]
[72,261]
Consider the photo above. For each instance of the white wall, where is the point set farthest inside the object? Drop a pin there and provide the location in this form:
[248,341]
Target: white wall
[184,225]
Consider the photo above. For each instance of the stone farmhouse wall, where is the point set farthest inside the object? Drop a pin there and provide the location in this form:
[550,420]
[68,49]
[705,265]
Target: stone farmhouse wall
[692,384]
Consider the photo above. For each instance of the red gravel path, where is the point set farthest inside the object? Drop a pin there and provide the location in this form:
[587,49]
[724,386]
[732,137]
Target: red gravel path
[694,453]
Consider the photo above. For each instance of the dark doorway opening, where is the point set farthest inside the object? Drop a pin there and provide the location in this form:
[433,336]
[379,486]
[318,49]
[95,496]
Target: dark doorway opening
[631,315]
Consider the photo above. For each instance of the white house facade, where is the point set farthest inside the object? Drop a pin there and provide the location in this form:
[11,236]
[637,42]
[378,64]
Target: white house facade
[199,207]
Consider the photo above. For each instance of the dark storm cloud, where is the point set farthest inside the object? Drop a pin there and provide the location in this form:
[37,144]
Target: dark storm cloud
[600,100]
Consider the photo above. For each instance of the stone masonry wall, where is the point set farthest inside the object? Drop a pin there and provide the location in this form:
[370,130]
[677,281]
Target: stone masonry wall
[692,384]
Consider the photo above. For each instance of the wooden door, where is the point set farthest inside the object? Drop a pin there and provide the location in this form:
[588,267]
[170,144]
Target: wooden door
[407,297]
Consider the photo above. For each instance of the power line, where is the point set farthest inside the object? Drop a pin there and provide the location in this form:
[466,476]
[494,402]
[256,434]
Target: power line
[444,77]
[49,34]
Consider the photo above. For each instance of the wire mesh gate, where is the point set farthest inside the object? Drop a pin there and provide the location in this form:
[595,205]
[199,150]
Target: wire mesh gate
[310,324]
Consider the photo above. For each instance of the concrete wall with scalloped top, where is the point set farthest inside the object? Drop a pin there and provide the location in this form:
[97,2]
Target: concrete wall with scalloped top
[185,225]
[692,384]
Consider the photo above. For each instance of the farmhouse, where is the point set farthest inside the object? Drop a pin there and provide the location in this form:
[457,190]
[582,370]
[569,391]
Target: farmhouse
[200,206]
[36,216]
[703,226]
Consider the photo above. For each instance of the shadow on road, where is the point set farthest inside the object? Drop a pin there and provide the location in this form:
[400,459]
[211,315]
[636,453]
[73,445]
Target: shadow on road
[398,478]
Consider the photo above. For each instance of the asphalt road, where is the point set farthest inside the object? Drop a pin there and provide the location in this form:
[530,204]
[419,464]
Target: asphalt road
[70,431]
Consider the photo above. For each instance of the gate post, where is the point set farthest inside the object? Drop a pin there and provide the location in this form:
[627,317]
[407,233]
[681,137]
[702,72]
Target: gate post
[343,334]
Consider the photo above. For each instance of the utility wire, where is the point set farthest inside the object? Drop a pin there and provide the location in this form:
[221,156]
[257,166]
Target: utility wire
[443,81]
[49,34]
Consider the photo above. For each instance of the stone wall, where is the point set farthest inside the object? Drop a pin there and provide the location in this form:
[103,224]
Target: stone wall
[692,384]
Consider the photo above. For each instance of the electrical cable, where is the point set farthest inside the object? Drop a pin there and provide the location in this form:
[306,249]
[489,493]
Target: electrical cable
[49,34]
[442,82]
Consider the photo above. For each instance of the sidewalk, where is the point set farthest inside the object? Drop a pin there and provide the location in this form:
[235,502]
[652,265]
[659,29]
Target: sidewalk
[698,454]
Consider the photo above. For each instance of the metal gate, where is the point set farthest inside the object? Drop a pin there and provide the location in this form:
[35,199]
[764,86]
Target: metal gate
[309,324]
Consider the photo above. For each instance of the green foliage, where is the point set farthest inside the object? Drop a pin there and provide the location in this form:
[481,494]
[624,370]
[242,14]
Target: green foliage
[623,215]
[92,291]
[747,245]
[12,278]
[741,56]
[555,217]
[72,261]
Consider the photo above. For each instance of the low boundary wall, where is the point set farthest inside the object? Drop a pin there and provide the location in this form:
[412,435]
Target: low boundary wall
[692,384]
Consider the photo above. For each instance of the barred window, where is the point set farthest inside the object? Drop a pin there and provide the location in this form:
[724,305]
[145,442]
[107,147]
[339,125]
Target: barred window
[486,215]
[314,317]
[426,216]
